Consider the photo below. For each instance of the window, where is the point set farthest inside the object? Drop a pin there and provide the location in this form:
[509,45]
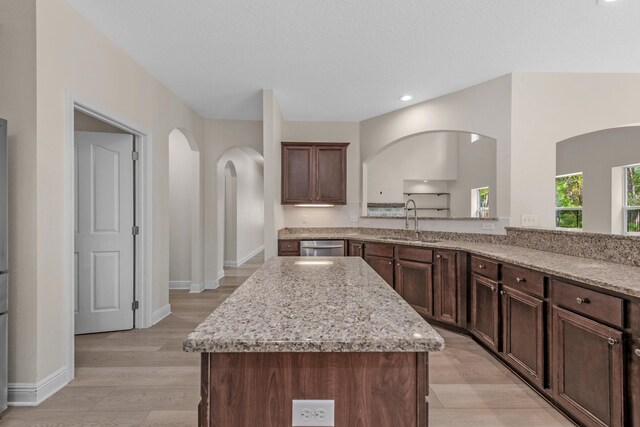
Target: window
[631,207]
[569,201]
[480,202]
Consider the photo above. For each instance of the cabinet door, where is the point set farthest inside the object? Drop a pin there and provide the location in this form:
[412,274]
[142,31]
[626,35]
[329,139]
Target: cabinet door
[414,281]
[382,266]
[588,372]
[356,249]
[297,174]
[485,318]
[446,288]
[331,174]
[523,334]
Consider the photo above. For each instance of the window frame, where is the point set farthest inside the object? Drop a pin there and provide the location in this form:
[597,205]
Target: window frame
[479,212]
[569,209]
[625,203]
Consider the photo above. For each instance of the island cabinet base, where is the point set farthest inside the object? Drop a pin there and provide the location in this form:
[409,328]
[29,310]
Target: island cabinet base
[369,389]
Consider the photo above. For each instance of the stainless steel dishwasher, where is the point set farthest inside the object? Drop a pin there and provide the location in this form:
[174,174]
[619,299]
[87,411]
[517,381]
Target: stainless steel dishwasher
[322,248]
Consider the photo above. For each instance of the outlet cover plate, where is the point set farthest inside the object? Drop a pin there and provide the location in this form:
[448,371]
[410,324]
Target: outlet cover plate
[529,220]
[313,413]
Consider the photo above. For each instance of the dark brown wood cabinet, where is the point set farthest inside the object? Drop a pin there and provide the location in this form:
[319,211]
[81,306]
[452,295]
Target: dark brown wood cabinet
[288,248]
[588,369]
[383,266]
[314,173]
[485,317]
[356,249]
[414,281]
[446,287]
[523,338]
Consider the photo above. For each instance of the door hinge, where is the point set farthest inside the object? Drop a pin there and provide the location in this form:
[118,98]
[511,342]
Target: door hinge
[135,156]
[135,230]
[135,305]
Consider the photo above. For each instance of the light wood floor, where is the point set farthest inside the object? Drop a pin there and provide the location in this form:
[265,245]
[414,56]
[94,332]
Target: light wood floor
[142,377]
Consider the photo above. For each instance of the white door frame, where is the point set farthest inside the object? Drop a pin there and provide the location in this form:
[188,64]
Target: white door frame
[143,251]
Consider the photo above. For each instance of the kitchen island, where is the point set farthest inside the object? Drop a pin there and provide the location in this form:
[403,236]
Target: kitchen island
[314,328]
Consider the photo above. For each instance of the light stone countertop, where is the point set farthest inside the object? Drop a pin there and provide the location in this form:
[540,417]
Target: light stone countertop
[322,304]
[620,278]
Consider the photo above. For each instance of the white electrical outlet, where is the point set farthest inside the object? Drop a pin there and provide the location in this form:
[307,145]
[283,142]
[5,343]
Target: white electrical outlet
[305,219]
[529,220]
[313,413]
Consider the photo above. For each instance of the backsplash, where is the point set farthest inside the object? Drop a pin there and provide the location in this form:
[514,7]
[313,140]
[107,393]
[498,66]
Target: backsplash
[603,247]
[385,209]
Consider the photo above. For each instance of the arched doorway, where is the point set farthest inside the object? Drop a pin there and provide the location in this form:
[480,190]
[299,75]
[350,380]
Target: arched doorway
[240,207]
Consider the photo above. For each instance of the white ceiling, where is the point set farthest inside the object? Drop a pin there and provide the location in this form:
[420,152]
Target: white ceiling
[348,60]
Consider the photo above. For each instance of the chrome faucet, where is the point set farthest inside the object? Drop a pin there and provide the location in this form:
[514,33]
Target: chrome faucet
[415,216]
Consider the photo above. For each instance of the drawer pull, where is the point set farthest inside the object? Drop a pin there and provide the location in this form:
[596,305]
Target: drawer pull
[520,279]
[582,300]
[481,266]
[612,341]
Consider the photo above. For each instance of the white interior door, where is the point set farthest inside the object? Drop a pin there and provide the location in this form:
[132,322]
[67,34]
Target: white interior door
[104,243]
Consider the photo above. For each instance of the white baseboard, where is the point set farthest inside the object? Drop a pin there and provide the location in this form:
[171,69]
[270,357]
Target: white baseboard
[33,394]
[160,314]
[180,284]
[244,258]
[214,284]
[196,288]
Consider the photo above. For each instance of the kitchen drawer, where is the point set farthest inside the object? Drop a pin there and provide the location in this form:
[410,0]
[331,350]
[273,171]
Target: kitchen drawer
[409,253]
[603,307]
[485,267]
[524,280]
[289,246]
[379,249]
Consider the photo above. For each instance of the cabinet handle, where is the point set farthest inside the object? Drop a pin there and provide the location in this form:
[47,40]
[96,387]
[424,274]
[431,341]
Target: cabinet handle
[520,280]
[398,264]
[493,288]
[637,352]
[438,256]
[390,263]
[582,300]
[502,293]
[612,341]
[481,266]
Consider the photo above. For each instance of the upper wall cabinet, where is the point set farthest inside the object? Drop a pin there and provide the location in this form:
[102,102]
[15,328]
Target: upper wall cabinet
[314,173]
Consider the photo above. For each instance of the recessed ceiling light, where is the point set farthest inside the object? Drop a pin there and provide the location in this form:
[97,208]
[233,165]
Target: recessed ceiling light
[605,1]
[425,181]
[406,98]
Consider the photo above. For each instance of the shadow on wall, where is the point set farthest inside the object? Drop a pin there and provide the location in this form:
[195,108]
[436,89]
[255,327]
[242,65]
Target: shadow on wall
[240,206]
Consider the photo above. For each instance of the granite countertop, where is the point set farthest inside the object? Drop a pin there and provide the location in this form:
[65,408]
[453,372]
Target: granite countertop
[318,304]
[620,278]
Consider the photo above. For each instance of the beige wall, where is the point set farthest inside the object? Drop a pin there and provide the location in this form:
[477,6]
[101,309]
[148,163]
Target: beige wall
[431,156]
[85,123]
[181,188]
[247,215]
[595,155]
[18,106]
[74,56]
[549,108]
[484,109]
[272,138]
[221,137]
